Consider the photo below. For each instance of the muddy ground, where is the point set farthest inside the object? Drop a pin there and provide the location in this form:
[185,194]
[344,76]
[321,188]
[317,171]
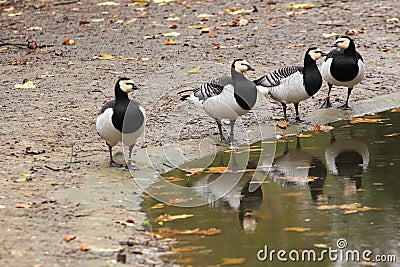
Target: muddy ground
[48,141]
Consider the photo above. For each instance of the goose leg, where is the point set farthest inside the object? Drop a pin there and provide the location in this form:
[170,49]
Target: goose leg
[221,135]
[232,124]
[346,105]
[129,164]
[327,102]
[296,107]
[284,110]
[112,162]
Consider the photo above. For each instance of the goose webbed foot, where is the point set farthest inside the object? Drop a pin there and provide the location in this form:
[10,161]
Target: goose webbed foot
[298,120]
[345,107]
[115,165]
[327,103]
[131,166]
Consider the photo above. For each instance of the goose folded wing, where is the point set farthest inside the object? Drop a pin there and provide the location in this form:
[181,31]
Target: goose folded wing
[212,88]
[275,77]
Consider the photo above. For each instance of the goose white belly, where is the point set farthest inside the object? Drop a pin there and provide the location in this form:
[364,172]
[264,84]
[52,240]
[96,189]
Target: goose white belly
[290,90]
[106,129]
[326,74]
[224,105]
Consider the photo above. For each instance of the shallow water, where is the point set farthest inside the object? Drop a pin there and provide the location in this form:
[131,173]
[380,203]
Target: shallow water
[342,185]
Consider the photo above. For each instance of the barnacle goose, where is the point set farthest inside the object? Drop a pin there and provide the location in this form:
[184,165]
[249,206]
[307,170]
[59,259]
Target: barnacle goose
[226,97]
[343,66]
[293,84]
[121,119]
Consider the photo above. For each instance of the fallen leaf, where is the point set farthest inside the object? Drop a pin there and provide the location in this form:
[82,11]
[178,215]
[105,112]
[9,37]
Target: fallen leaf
[172,19]
[232,261]
[159,206]
[217,169]
[173,179]
[282,124]
[69,238]
[301,135]
[269,25]
[368,120]
[195,70]
[392,20]
[368,263]
[162,1]
[170,42]
[10,9]
[171,34]
[68,42]
[15,14]
[131,21]
[301,12]
[326,128]
[35,28]
[212,36]
[305,167]
[168,218]
[354,32]
[395,110]
[187,249]
[108,3]
[318,245]
[297,6]
[329,35]
[384,49]
[22,206]
[197,26]
[27,85]
[297,229]
[2,206]
[297,45]
[391,135]
[205,16]
[84,247]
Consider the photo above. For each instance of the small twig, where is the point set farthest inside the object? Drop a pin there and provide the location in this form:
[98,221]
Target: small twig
[65,3]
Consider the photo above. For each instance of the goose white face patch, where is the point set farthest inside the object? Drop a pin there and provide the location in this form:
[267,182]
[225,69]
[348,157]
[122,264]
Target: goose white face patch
[315,54]
[242,66]
[343,43]
[126,85]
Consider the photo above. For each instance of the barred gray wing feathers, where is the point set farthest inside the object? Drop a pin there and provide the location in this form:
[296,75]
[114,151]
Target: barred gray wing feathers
[212,88]
[275,77]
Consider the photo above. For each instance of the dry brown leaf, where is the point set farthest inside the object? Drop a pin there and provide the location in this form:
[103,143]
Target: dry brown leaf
[395,110]
[69,238]
[368,120]
[131,21]
[173,179]
[271,25]
[212,36]
[232,261]
[170,42]
[297,229]
[301,135]
[68,42]
[84,247]
[22,206]
[384,49]
[329,35]
[326,128]
[217,169]
[282,124]
[354,32]
[168,218]
[210,231]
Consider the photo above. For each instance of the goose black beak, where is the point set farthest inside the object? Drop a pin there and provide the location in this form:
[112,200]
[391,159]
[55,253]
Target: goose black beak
[334,45]
[250,68]
[135,87]
[324,54]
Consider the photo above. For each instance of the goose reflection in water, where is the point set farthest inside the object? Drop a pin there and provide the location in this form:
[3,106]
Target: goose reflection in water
[237,198]
[300,170]
[348,159]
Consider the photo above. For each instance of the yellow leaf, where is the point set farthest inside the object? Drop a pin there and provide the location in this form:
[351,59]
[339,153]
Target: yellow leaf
[10,9]
[171,34]
[162,1]
[297,6]
[282,124]
[297,229]
[173,179]
[232,261]
[2,206]
[22,206]
[304,135]
[368,120]
[27,85]
[15,14]
[301,12]
[205,15]
[395,110]
[159,206]
[197,26]
[195,70]
[172,19]
[131,21]
[170,42]
[168,218]
[108,3]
